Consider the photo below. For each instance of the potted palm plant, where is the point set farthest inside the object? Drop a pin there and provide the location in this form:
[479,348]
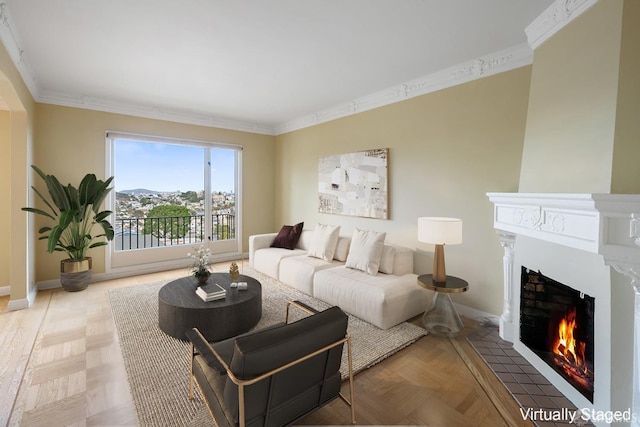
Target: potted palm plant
[74,213]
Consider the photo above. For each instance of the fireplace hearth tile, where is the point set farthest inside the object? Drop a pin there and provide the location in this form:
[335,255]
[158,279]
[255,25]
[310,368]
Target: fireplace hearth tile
[546,402]
[515,388]
[528,369]
[491,359]
[526,401]
[505,359]
[506,377]
[527,386]
[550,390]
[514,369]
[533,389]
[522,379]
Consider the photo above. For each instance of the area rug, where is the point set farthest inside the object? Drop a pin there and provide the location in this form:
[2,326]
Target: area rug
[158,365]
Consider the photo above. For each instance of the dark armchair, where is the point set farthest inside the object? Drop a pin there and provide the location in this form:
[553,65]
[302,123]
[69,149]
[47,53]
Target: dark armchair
[274,376]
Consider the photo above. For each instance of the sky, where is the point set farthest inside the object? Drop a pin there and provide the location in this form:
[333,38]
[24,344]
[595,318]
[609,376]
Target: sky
[168,167]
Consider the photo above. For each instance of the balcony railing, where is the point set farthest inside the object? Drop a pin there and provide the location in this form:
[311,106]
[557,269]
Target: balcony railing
[142,233]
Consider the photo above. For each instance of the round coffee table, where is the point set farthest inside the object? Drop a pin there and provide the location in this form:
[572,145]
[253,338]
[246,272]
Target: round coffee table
[180,309]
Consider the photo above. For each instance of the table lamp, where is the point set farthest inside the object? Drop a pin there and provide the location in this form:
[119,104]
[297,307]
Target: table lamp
[439,231]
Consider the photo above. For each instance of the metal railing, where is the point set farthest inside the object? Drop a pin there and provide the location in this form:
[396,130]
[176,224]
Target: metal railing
[142,233]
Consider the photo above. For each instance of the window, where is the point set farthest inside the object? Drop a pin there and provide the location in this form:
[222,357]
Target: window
[170,194]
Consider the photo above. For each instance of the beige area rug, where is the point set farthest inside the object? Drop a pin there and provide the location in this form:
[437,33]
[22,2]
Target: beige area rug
[158,365]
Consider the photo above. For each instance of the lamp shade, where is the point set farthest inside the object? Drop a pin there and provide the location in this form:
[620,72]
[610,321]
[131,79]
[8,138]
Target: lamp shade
[440,230]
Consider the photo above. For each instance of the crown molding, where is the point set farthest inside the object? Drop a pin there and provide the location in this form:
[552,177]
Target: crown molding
[12,45]
[497,62]
[554,18]
[157,113]
[17,54]
[494,63]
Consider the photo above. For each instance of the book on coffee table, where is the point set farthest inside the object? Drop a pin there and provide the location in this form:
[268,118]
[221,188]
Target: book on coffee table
[211,292]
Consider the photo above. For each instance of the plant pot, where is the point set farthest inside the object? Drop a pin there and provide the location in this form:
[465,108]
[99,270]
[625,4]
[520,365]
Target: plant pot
[75,275]
[202,278]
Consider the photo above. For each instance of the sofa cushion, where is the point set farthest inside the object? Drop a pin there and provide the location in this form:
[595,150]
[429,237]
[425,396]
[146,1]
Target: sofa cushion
[365,251]
[306,239]
[402,260]
[325,240]
[342,248]
[267,260]
[298,271]
[288,236]
[388,256]
[383,300]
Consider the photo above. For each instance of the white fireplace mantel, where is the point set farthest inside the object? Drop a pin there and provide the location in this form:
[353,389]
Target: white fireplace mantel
[603,224]
[606,224]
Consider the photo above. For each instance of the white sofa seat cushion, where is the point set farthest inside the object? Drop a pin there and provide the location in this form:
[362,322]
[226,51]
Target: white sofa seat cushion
[382,300]
[267,260]
[298,271]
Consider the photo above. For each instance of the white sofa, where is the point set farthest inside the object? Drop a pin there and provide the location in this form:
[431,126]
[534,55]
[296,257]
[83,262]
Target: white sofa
[385,299]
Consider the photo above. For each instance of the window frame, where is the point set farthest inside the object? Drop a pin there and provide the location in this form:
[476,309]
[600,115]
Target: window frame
[169,257]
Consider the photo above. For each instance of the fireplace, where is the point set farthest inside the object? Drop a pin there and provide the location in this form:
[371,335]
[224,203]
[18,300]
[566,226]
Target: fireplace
[586,248]
[557,324]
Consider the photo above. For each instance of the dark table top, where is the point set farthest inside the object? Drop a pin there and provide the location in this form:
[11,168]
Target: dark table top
[452,285]
[182,292]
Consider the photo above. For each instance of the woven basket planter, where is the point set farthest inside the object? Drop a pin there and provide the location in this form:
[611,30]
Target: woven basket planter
[75,275]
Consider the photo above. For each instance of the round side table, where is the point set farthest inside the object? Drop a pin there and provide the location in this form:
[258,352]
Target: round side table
[442,318]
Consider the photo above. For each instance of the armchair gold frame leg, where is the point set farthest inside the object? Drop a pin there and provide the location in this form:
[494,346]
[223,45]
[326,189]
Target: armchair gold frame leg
[351,400]
[193,352]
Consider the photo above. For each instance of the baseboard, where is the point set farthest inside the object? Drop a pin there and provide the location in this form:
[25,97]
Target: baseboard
[18,304]
[4,291]
[136,271]
[48,284]
[477,315]
[22,303]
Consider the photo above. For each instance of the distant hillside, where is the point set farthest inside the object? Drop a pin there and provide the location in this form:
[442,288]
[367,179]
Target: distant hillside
[139,191]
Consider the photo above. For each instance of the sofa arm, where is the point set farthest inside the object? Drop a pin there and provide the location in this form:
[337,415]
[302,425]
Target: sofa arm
[259,241]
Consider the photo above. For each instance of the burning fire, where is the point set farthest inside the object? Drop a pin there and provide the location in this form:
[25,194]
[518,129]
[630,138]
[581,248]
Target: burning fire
[567,347]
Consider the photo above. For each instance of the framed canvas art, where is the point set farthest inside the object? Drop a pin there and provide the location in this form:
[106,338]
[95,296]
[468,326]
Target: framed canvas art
[354,184]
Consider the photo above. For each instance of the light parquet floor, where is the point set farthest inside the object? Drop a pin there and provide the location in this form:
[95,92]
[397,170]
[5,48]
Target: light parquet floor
[60,364]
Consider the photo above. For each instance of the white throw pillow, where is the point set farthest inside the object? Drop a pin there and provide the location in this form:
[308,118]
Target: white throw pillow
[365,252]
[324,243]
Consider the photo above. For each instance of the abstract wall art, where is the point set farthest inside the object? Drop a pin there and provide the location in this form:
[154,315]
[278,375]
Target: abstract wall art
[354,184]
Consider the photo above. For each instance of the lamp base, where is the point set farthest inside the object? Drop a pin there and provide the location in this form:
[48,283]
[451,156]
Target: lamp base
[439,270]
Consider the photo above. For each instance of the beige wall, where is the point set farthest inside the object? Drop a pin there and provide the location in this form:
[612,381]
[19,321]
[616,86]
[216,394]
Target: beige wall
[5,189]
[70,142]
[16,228]
[446,150]
[572,109]
[626,153]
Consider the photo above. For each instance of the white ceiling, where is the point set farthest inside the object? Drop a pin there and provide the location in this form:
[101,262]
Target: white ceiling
[259,62]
